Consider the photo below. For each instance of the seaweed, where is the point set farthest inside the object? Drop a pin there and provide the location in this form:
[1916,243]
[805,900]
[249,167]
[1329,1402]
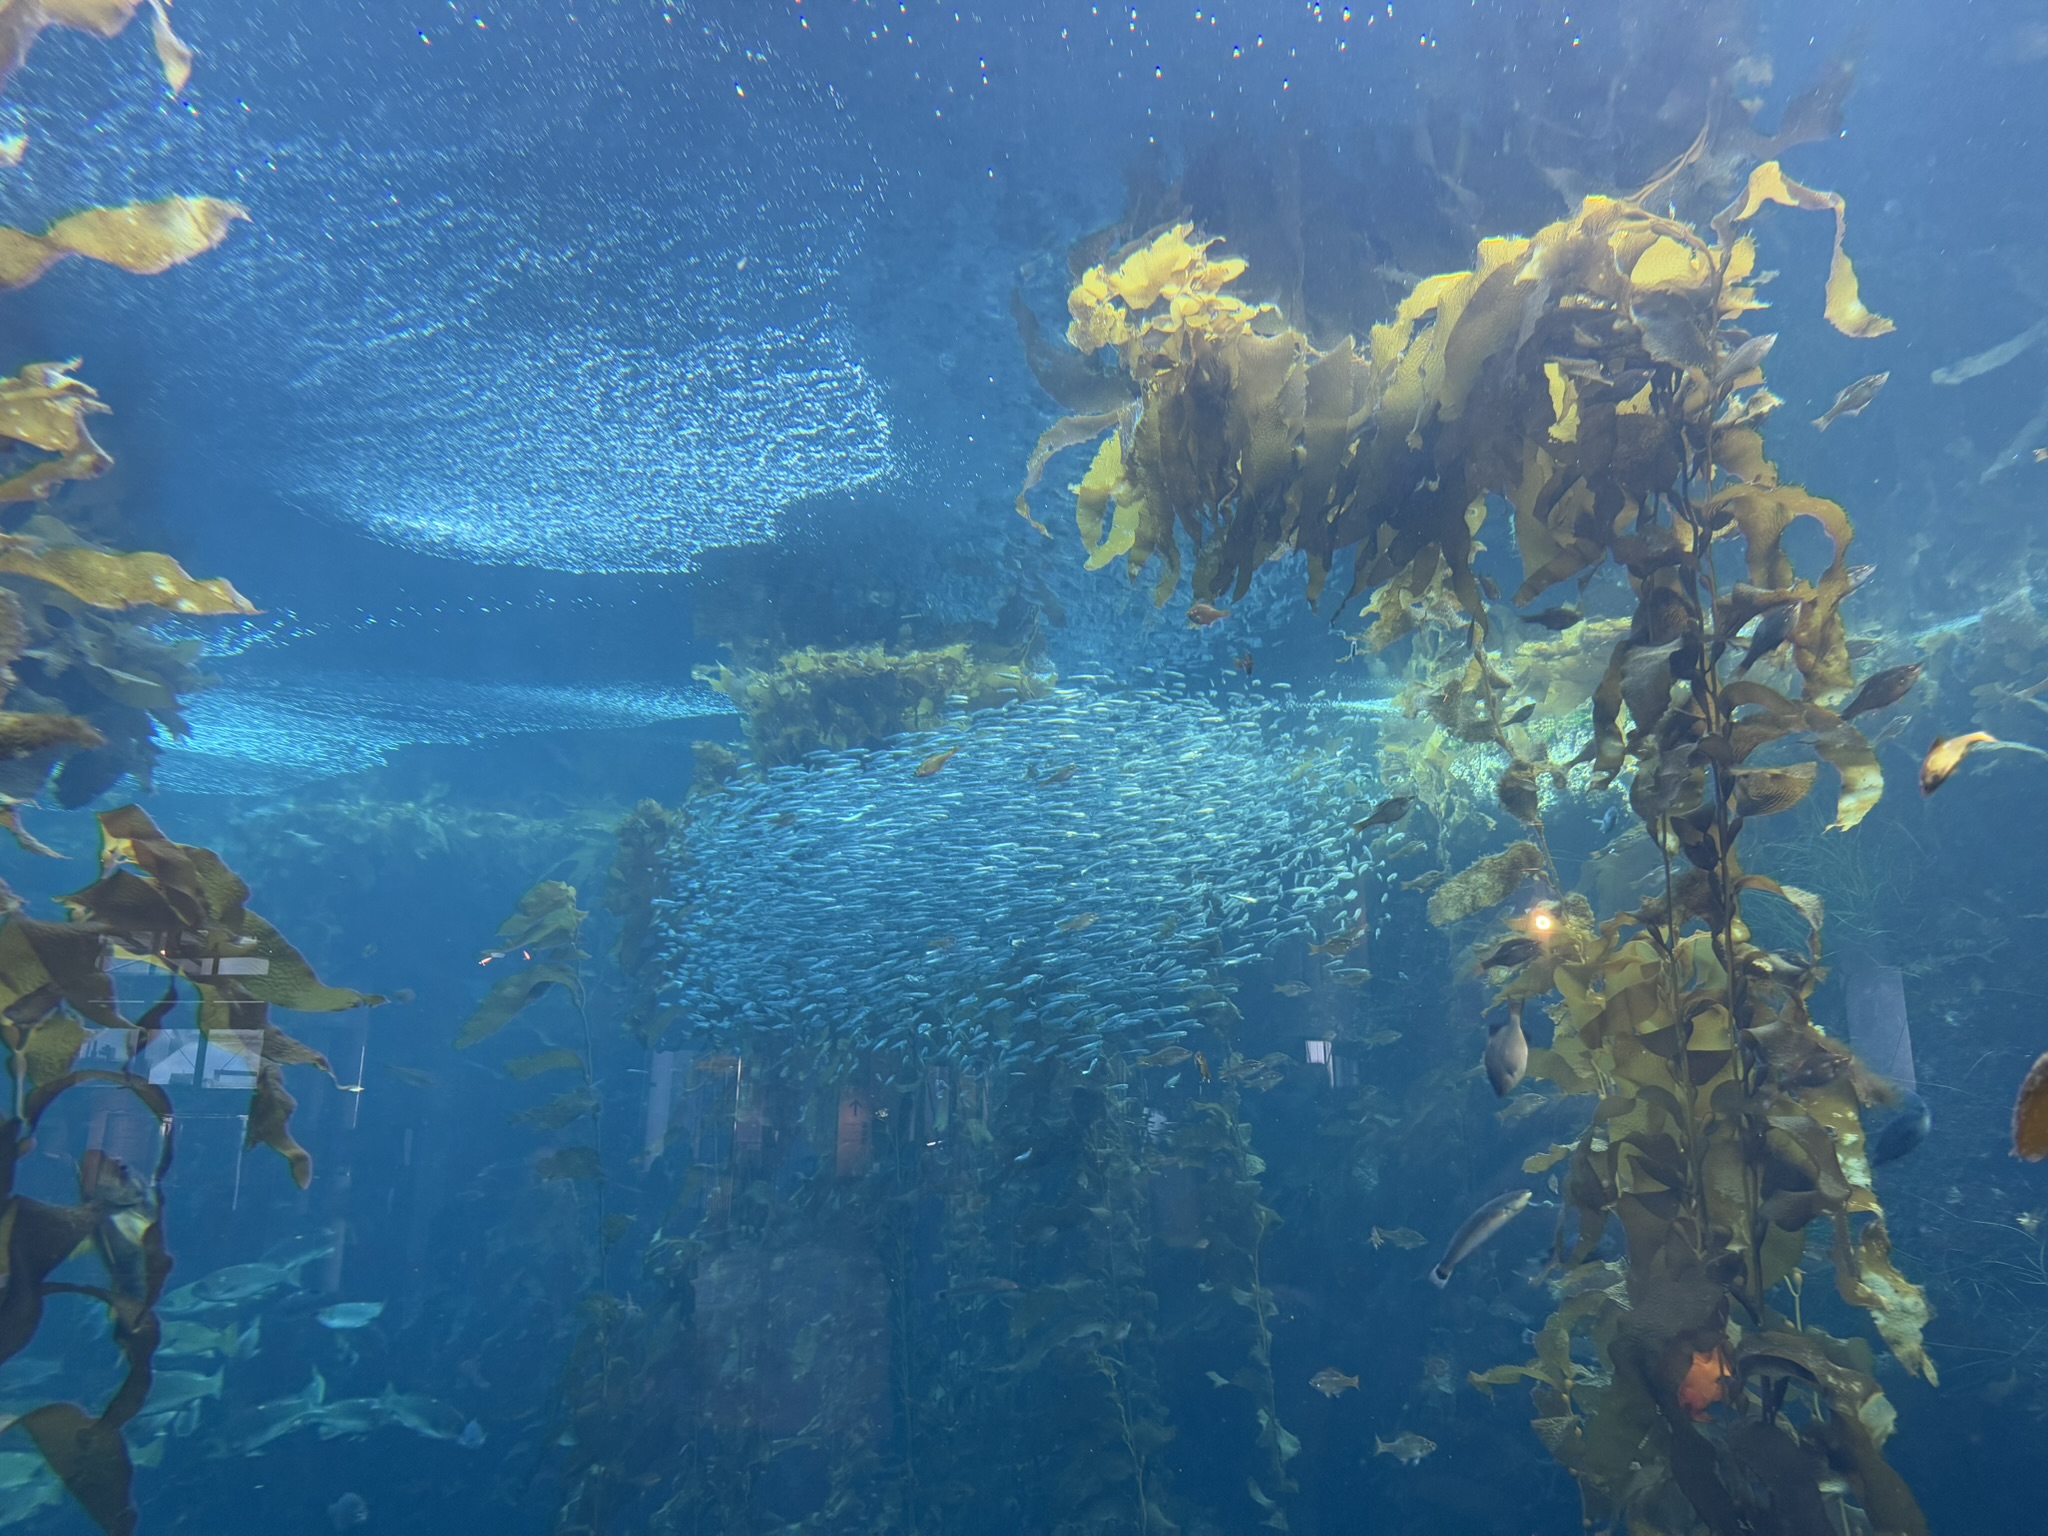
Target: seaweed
[1597,378]
[814,700]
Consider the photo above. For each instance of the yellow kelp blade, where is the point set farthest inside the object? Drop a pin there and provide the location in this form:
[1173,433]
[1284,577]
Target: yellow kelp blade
[171,51]
[1768,183]
[115,581]
[143,238]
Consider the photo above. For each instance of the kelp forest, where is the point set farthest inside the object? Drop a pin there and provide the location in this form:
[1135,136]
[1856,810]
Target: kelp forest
[1331,953]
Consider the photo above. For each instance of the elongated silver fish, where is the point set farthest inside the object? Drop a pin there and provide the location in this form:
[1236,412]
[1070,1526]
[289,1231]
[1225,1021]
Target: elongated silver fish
[1478,1230]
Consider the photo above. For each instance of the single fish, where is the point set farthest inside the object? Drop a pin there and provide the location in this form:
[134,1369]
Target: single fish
[345,1315]
[1202,615]
[1859,575]
[1291,988]
[1407,1447]
[1081,923]
[1851,401]
[1882,690]
[184,1337]
[1946,756]
[2030,1113]
[1399,1237]
[1478,1230]
[1520,716]
[1061,775]
[1386,813]
[1908,1126]
[1511,952]
[1554,618]
[1332,1382]
[1772,630]
[1348,975]
[471,1437]
[988,1285]
[422,1415]
[1245,663]
[171,1390]
[241,1282]
[1745,359]
[1428,880]
[1172,1056]
[1375,1038]
[1507,1052]
[348,1512]
[1993,357]
[935,762]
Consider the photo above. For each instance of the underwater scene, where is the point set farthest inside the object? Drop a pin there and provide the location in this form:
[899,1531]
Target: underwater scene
[1044,768]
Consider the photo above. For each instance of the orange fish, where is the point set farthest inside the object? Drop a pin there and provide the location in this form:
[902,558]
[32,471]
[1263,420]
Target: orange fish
[935,762]
[1201,616]
[1706,1382]
[1202,1066]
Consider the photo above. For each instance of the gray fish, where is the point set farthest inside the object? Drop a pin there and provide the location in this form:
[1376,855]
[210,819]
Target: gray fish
[423,1415]
[345,1315]
[348,1511]
[171,1390]
[239,1283]
[1478,1230]
[1744,359]
[1772,630]
[1852,400]
[1507,1052]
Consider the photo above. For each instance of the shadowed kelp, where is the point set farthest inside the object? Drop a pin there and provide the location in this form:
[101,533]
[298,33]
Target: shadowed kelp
[179,909]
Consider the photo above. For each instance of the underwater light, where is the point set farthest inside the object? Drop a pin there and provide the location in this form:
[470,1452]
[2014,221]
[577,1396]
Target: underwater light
[1542,921]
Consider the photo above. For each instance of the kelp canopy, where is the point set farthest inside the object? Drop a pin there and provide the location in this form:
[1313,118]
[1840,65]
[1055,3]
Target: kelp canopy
[1599,377]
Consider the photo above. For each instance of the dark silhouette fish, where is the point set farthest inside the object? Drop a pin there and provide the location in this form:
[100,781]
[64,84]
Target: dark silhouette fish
[1905,1130]
[1882,690]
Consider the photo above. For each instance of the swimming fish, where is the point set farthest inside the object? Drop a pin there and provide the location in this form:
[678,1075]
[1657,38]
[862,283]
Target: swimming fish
[1202,615]
[1883,689]
[1507,1052]
[1478,1230]
[344,1315]
[1172,1056]
[1407,1447]
[1245,663]
[1851,401]
[1400,1237]
[1948,752]
[988,1285]
[1906,1129]
[1745,359]
[1291,988]
[1386,813]
[1994,357]
[1511,952]
[1348,975]
[1705,1382]
[935,762]
[183,1337]
[171,1390]
[348,1511]
[1554,618]
[1081,923]
[1772,630]
[1332,1382]
[240,1282]
[2030,1114]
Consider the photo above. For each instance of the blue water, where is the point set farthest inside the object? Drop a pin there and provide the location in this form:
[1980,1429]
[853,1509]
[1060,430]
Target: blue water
[874,1183]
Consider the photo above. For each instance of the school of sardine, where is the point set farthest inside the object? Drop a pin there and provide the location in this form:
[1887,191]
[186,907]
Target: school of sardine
[1083,877]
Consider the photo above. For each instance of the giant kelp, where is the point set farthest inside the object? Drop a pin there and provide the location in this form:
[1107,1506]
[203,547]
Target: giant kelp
[1594,378]
[180,910]
[86,613]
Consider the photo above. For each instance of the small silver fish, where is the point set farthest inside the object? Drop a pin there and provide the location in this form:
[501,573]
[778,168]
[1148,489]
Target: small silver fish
[1478,1230]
